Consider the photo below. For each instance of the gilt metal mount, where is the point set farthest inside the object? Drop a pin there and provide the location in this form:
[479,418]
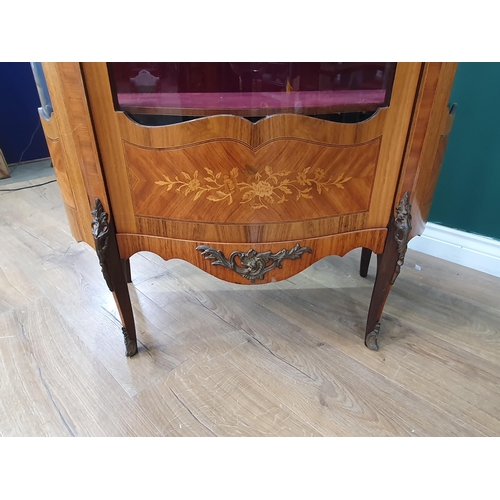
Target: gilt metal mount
[402,233]
[100,232]
[371,339]
[252,265]
[130,344]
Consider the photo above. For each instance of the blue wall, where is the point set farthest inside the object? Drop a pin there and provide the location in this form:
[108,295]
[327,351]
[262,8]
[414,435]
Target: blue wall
[19,118]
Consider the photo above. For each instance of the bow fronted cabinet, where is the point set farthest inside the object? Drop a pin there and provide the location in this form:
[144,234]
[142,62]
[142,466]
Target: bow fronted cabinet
[250,171]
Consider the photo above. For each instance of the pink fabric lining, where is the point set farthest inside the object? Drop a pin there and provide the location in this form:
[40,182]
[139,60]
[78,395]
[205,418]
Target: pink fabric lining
[253,102]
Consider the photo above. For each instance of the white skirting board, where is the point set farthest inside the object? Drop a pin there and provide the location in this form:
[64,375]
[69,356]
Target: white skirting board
[467,249]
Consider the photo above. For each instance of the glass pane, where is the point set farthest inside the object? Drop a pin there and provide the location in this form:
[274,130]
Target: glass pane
[43,91]
[250,89]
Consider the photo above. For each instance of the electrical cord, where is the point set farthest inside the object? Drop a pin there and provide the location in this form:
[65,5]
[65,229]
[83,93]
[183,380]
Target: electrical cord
[17,164]
[28,187]
[26,149]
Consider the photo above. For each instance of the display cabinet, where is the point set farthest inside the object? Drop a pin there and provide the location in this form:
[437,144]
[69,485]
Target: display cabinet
[250,171]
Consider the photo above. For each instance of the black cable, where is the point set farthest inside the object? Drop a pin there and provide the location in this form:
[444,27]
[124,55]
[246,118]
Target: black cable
[17,164]
[29,187]
[26,149]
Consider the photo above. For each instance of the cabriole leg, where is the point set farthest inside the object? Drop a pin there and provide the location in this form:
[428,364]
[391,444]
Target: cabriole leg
[388,267]
[126,270]
[114,273]
[366,255]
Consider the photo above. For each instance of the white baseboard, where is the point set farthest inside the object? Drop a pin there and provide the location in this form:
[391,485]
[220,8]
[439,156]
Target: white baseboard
[466,249]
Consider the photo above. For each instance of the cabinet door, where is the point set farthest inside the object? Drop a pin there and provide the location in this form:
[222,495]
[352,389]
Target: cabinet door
[251,152]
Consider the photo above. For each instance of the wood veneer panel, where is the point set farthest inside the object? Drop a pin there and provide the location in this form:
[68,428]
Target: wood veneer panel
[227,181]
[74,222]
[252,233]
[58,161]
[60,164]
[321,247]
[240,129]
[4,169]
[108,136]
[427,181]
[393,143]
[78,119]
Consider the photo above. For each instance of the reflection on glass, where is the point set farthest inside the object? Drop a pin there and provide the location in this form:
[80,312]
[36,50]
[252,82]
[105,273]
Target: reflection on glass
[43,91]
[250,89]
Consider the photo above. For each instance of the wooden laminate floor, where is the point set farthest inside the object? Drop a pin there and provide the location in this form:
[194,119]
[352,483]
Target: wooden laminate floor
[216,359]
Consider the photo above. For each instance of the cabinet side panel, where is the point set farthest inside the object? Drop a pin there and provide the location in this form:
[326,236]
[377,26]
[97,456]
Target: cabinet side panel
[58,161]
[394,140]
[75,151]
[430,123]
[427,181]
[82,134]
[60,164]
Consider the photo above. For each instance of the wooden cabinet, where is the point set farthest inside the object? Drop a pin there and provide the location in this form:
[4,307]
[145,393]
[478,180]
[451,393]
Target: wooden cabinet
[250,171]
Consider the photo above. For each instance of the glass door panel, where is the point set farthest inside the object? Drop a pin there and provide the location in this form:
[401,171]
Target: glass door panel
[253,90]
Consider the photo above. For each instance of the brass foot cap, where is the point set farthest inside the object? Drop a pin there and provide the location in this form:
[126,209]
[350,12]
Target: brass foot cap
[371,339]
[130,344]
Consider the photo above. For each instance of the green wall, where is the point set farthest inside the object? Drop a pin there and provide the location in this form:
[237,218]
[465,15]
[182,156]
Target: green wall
[468,192]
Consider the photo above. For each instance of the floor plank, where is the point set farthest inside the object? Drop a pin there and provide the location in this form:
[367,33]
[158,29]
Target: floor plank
[225,401]
[27,407]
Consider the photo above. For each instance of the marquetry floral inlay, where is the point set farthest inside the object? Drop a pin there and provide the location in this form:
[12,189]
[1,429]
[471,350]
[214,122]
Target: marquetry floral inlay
[260,191]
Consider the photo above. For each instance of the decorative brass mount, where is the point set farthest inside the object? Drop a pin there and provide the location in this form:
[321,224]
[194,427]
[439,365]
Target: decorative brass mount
[254,265]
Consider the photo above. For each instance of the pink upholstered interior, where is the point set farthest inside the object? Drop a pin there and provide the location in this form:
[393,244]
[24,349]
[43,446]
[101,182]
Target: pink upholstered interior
[298,102]
[250,89]
[250,100]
